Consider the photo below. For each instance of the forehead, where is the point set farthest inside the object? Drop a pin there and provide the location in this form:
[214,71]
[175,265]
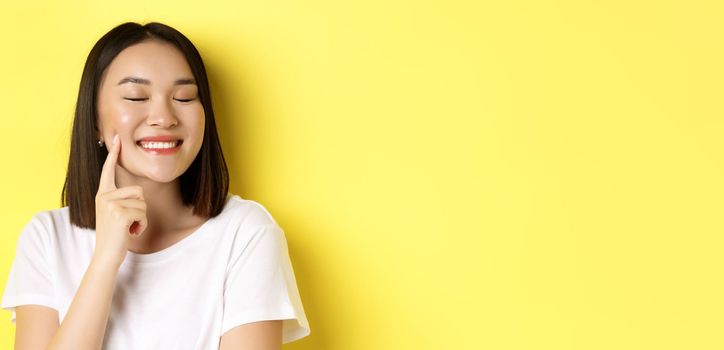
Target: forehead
[157,61]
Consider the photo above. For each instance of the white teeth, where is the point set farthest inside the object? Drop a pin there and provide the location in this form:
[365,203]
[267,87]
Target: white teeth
[158,145]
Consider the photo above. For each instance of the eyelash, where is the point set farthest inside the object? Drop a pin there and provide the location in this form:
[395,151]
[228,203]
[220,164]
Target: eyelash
[143,99]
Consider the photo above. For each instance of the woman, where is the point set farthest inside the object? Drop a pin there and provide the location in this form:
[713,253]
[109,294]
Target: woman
[150,250]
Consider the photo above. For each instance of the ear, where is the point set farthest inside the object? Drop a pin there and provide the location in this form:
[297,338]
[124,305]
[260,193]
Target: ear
[99,127]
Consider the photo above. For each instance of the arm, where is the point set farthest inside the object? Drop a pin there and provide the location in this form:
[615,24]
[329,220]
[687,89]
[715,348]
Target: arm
[34,326]
[117,212]
[37,327]
[262,335]
[85,324]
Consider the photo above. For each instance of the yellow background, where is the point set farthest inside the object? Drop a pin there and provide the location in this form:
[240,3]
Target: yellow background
[450,174]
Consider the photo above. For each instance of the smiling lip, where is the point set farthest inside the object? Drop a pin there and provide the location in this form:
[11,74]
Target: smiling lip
[159,138]
[160,151]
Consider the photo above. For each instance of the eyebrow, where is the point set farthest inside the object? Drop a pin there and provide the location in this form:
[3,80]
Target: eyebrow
[135,80]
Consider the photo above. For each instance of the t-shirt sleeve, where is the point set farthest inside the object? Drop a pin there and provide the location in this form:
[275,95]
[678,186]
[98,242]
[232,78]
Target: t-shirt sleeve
[260,283]
[30,278]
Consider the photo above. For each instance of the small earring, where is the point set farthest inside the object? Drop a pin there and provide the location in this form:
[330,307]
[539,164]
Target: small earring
[100,143]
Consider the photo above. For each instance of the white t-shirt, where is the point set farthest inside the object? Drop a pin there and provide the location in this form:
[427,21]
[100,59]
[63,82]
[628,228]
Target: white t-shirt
[232,270]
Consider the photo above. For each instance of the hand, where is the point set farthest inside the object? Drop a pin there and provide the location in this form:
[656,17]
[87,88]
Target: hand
[120,212]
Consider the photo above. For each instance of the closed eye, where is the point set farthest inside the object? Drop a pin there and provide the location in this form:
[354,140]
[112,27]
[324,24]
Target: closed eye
[143,99]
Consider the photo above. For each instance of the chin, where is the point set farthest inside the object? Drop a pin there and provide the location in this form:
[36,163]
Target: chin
[162,179]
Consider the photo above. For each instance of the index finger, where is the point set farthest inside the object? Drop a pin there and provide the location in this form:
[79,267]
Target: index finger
[108,173]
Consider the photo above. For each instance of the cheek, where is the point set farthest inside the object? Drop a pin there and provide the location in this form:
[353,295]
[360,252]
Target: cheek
[124,119]
[121,121]
[195,120]
[124,116]
[200,127]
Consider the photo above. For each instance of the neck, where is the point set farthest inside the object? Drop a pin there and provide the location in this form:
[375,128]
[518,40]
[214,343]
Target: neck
[164,207]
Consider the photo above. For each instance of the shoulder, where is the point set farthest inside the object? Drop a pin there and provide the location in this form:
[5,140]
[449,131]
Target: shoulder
[254,227]
[53,225]
[42,223]
[247,212]
[43,229]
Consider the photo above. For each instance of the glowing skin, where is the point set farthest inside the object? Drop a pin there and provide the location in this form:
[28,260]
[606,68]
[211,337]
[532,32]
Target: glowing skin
[166,104]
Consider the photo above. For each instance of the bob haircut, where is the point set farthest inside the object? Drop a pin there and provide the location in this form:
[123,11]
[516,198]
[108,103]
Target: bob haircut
[204,185]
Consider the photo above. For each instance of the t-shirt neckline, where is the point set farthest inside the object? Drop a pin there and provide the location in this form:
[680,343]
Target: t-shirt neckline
[178,246]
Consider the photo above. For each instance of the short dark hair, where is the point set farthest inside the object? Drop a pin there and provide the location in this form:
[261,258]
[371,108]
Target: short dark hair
[204,184]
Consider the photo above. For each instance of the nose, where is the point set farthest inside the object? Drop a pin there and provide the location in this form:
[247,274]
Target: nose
[162,115]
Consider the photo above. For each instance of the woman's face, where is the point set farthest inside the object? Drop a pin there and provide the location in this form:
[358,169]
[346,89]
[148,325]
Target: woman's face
[148,90]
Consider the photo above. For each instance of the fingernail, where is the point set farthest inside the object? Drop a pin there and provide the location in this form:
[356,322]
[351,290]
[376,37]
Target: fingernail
[115,138]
